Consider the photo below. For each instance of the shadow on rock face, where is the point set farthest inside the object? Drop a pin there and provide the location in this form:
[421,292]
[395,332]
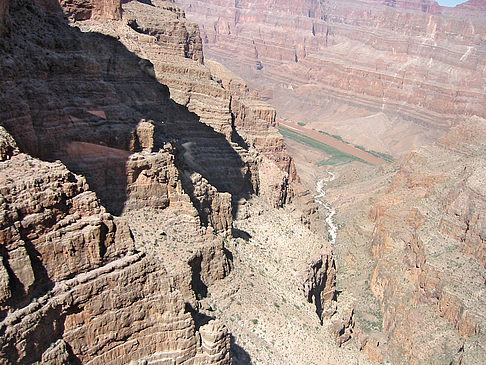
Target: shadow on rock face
[84,99]
[79,97]
[239,354]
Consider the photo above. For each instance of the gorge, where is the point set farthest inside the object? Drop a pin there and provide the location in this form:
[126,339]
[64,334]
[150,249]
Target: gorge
[151,211]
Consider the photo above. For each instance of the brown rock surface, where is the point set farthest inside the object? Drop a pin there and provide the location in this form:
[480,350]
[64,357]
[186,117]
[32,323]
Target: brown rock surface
[416,259]
[8,147]
[74,286]
[78,285]
[117,91]
[386,75]
[172,44]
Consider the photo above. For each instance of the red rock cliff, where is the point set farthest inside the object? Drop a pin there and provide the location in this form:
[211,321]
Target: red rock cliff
[418,64]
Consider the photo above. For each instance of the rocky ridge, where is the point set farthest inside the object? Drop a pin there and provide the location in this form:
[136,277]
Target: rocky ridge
[415,259]
[138,241]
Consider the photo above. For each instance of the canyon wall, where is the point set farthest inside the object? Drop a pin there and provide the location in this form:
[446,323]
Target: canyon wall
[411,67]
[74,287]
[124,160]
[416,257]
[154,32]
[76,284]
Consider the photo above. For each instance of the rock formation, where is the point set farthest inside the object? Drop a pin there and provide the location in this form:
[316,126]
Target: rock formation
[73,287]
[388,75]
[124,161]
[155,32]
[416,258]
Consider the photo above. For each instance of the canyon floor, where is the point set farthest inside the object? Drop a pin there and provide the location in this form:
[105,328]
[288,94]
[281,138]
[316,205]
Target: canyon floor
[262,301]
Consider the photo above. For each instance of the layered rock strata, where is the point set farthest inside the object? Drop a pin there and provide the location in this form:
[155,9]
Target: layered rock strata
[411,67]
[73,286]
[93,9]
[417,260]
[160,33]
[116,93]
[76,283]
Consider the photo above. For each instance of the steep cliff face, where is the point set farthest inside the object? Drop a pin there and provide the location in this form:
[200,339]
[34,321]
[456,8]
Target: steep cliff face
[417,258]
[74,288]
[402,66]
[111,267]
[76,285]
[160,33]
[117,92]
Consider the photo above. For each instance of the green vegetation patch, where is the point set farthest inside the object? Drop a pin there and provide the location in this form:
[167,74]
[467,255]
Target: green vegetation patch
[384,156]
[334,136]
[337,157]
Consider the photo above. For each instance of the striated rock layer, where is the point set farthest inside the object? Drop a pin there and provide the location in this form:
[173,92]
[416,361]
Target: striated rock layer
[115,274]
[74,284]
[411,67]
[73,287]
[94,123]
[416,258]
[160,33]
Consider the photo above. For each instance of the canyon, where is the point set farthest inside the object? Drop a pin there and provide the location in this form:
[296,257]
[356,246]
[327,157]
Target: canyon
[409,247]
[403,78]
[152,213]
[127,166]
[387,75]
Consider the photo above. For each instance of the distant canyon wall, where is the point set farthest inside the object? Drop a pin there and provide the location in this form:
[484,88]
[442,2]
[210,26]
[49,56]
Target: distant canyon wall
[409,59]
[412,249]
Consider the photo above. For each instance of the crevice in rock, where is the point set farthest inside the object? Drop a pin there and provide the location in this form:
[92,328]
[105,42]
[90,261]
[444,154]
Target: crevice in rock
[198,286]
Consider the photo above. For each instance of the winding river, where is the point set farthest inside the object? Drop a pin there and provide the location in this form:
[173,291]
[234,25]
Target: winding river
[319,199]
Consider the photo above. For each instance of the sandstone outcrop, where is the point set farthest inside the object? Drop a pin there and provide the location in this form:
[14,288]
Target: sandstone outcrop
[112,193]
[219,97]
[161,34]
[320,286]
[407,69]
[8,147]
[417,260]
